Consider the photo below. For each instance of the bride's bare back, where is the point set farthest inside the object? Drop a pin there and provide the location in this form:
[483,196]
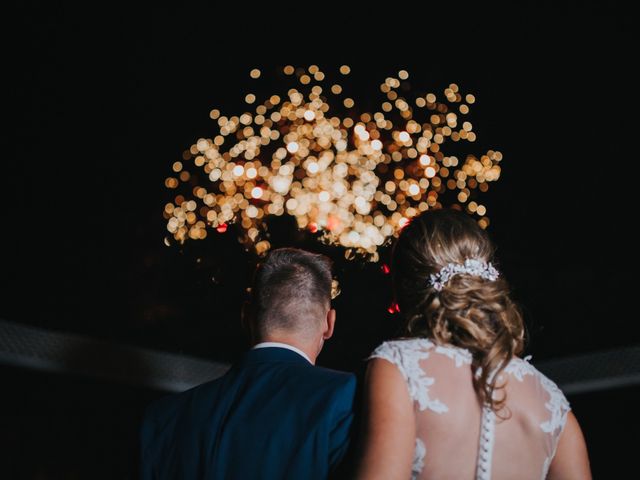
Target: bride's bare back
[424,414]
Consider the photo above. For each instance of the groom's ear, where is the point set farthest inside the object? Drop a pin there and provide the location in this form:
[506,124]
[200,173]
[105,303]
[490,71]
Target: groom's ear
[331,323]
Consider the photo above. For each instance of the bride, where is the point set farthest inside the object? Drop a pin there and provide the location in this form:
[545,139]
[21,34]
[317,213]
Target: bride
[452,400]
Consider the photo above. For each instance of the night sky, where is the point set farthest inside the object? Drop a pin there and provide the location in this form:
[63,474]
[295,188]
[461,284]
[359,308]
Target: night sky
[103,100]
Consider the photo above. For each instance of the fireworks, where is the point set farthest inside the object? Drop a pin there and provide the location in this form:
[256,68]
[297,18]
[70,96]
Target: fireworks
[353,179]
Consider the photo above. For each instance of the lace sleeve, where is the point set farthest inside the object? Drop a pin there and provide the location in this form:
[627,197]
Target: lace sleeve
[406,356]
[558,406]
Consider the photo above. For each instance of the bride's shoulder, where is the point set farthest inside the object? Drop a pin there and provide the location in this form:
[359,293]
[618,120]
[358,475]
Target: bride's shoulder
[555,401]
[522,367]
[402,346]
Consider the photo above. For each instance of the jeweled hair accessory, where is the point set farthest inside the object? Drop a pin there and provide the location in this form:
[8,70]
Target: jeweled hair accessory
[470,267]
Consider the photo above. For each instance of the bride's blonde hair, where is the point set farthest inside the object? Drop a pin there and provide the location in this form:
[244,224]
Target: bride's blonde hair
[469,311]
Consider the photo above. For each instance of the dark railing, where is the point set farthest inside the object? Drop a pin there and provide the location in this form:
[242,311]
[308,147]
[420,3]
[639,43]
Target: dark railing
[40,349]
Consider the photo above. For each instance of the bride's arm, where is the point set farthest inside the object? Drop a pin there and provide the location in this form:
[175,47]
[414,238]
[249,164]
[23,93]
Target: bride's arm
[388,439]
[571,461]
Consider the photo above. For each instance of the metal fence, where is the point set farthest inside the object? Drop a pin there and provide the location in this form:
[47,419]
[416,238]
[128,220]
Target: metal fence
[45,350]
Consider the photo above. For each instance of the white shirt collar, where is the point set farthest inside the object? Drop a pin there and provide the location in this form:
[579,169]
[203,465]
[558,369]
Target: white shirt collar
[283,345]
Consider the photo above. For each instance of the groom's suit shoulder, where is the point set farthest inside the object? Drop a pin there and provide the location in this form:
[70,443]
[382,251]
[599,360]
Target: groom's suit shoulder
[332,389]
[299,377]
[331,378]
[341,386]
[269,398]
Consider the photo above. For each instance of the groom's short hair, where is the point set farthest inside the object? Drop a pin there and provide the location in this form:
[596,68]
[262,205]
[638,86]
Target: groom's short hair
[292,288]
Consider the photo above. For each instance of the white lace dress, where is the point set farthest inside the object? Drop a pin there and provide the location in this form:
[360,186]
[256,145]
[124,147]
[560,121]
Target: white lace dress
[455,437]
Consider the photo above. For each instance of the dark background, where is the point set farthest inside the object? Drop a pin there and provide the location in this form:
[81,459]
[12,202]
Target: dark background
[102,100]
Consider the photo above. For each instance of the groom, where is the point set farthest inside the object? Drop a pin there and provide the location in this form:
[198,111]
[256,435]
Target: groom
[273,415]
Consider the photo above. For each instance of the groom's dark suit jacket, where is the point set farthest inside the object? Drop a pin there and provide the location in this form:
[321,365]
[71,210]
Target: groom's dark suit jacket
[273,415]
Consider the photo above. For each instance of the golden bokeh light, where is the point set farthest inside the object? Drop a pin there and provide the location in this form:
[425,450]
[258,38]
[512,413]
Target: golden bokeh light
[352,178]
